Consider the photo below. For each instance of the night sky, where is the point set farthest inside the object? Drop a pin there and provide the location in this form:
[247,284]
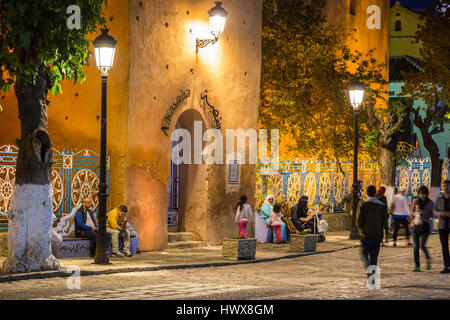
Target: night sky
[414,4]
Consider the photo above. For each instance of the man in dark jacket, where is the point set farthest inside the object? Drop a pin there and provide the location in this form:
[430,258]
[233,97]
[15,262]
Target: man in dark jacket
[371,220]
[86,224]
[442,208]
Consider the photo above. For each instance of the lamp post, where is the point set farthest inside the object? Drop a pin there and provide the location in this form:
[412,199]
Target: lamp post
[104,56]
[217,19]
[356,93]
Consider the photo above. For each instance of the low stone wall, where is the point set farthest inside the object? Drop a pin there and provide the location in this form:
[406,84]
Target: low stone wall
[3,244]
[338,221]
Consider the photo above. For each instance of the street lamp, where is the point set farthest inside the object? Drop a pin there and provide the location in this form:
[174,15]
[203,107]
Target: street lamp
[356,93]
[104,56]
[217,19]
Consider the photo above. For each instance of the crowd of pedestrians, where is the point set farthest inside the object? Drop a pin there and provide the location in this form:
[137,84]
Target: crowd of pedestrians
[374,213]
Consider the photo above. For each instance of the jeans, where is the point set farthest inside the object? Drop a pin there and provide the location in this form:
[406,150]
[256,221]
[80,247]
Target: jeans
[420,236]
[92,235]
[115,234]
[243,228]
[443,236]
[397,223]
[370,248]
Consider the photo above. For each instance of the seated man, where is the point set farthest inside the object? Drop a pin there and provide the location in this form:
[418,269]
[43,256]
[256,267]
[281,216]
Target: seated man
[116,225]
[86,224]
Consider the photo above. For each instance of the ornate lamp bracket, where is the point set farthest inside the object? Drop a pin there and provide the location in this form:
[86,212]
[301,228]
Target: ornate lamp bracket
[201,43]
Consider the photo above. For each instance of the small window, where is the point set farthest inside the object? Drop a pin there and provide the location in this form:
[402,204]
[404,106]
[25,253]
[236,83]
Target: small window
[398,25]
[352,7]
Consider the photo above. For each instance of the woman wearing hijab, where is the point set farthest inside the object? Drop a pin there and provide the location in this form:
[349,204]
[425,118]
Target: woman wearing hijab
[300,212]
[266,210]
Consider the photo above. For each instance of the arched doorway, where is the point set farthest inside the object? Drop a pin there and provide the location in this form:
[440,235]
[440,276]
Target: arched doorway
[187,187]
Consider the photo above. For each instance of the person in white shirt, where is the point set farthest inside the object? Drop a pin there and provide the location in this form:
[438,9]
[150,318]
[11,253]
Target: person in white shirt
[243,214]
[400,214]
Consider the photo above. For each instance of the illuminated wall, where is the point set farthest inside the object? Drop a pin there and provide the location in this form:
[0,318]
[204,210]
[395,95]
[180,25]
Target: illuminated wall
[163,62]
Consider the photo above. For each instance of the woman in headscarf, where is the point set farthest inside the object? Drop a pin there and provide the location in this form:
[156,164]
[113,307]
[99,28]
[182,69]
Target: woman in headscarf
[266,209]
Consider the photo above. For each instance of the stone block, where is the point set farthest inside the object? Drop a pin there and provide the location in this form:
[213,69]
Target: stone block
[303,243]
[71,248]
[338,221]
[239,249]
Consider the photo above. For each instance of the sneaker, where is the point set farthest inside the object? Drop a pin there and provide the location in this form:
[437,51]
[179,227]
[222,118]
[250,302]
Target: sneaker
[117,255]
[445,271]
[428,265]
[128,254]
[394,245]
[416,269]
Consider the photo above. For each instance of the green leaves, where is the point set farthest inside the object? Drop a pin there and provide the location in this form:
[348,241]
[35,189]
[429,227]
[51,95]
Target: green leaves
[305,72]
[34,33]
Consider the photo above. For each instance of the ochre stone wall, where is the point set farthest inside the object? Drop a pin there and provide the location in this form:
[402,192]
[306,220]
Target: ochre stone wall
[338,13]
[164,62]
[74,115]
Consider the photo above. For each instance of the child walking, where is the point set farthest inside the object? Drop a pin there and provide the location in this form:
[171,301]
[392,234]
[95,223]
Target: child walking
[275,221]
[243,213]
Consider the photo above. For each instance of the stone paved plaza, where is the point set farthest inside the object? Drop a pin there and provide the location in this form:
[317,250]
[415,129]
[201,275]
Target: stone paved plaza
[335,275]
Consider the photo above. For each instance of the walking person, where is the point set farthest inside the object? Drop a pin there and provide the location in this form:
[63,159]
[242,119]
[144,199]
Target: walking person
[243,214]
[371,220]
[275,222]
[400,214]
[442,208]
[421,216]
[380,196]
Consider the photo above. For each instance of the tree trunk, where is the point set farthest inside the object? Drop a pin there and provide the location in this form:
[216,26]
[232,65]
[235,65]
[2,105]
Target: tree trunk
[386,166]
[30,215]
[436,166]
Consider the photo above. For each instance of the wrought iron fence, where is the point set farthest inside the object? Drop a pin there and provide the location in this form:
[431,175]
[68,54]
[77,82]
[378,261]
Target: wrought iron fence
[326,183]
[75,175]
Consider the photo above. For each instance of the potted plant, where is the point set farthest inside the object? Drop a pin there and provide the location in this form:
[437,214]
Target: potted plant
[303,242]
[239,248]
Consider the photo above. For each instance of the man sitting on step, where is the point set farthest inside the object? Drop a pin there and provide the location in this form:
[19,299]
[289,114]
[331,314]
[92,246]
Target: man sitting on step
[116,226]
[86,224]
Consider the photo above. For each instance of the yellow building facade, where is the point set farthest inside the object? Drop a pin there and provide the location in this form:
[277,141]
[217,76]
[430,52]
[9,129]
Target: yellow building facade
[403,25]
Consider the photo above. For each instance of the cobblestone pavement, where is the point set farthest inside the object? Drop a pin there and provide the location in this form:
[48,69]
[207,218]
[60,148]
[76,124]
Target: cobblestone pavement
[336,275]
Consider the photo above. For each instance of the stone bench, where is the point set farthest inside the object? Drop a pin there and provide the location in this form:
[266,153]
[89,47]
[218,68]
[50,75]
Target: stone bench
[66,245]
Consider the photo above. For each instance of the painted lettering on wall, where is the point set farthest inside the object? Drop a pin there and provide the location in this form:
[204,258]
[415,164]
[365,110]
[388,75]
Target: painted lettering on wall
[374,20]
[213,111]
[165,125]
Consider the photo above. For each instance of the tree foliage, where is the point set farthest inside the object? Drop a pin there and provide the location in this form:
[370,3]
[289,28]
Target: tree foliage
[432,82]
[34,34]
[306,68]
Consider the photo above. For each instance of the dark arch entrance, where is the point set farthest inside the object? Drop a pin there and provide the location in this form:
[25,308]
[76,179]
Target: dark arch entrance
[187,188]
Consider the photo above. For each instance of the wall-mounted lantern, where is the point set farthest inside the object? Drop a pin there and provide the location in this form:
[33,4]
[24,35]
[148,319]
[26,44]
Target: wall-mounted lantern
[217,18]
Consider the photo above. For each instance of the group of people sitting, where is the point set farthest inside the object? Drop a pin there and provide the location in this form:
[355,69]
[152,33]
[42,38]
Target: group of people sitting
[86,226]
[283,220]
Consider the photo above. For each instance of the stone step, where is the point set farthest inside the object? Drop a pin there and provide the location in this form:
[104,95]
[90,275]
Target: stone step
[185,244]
[179,236]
